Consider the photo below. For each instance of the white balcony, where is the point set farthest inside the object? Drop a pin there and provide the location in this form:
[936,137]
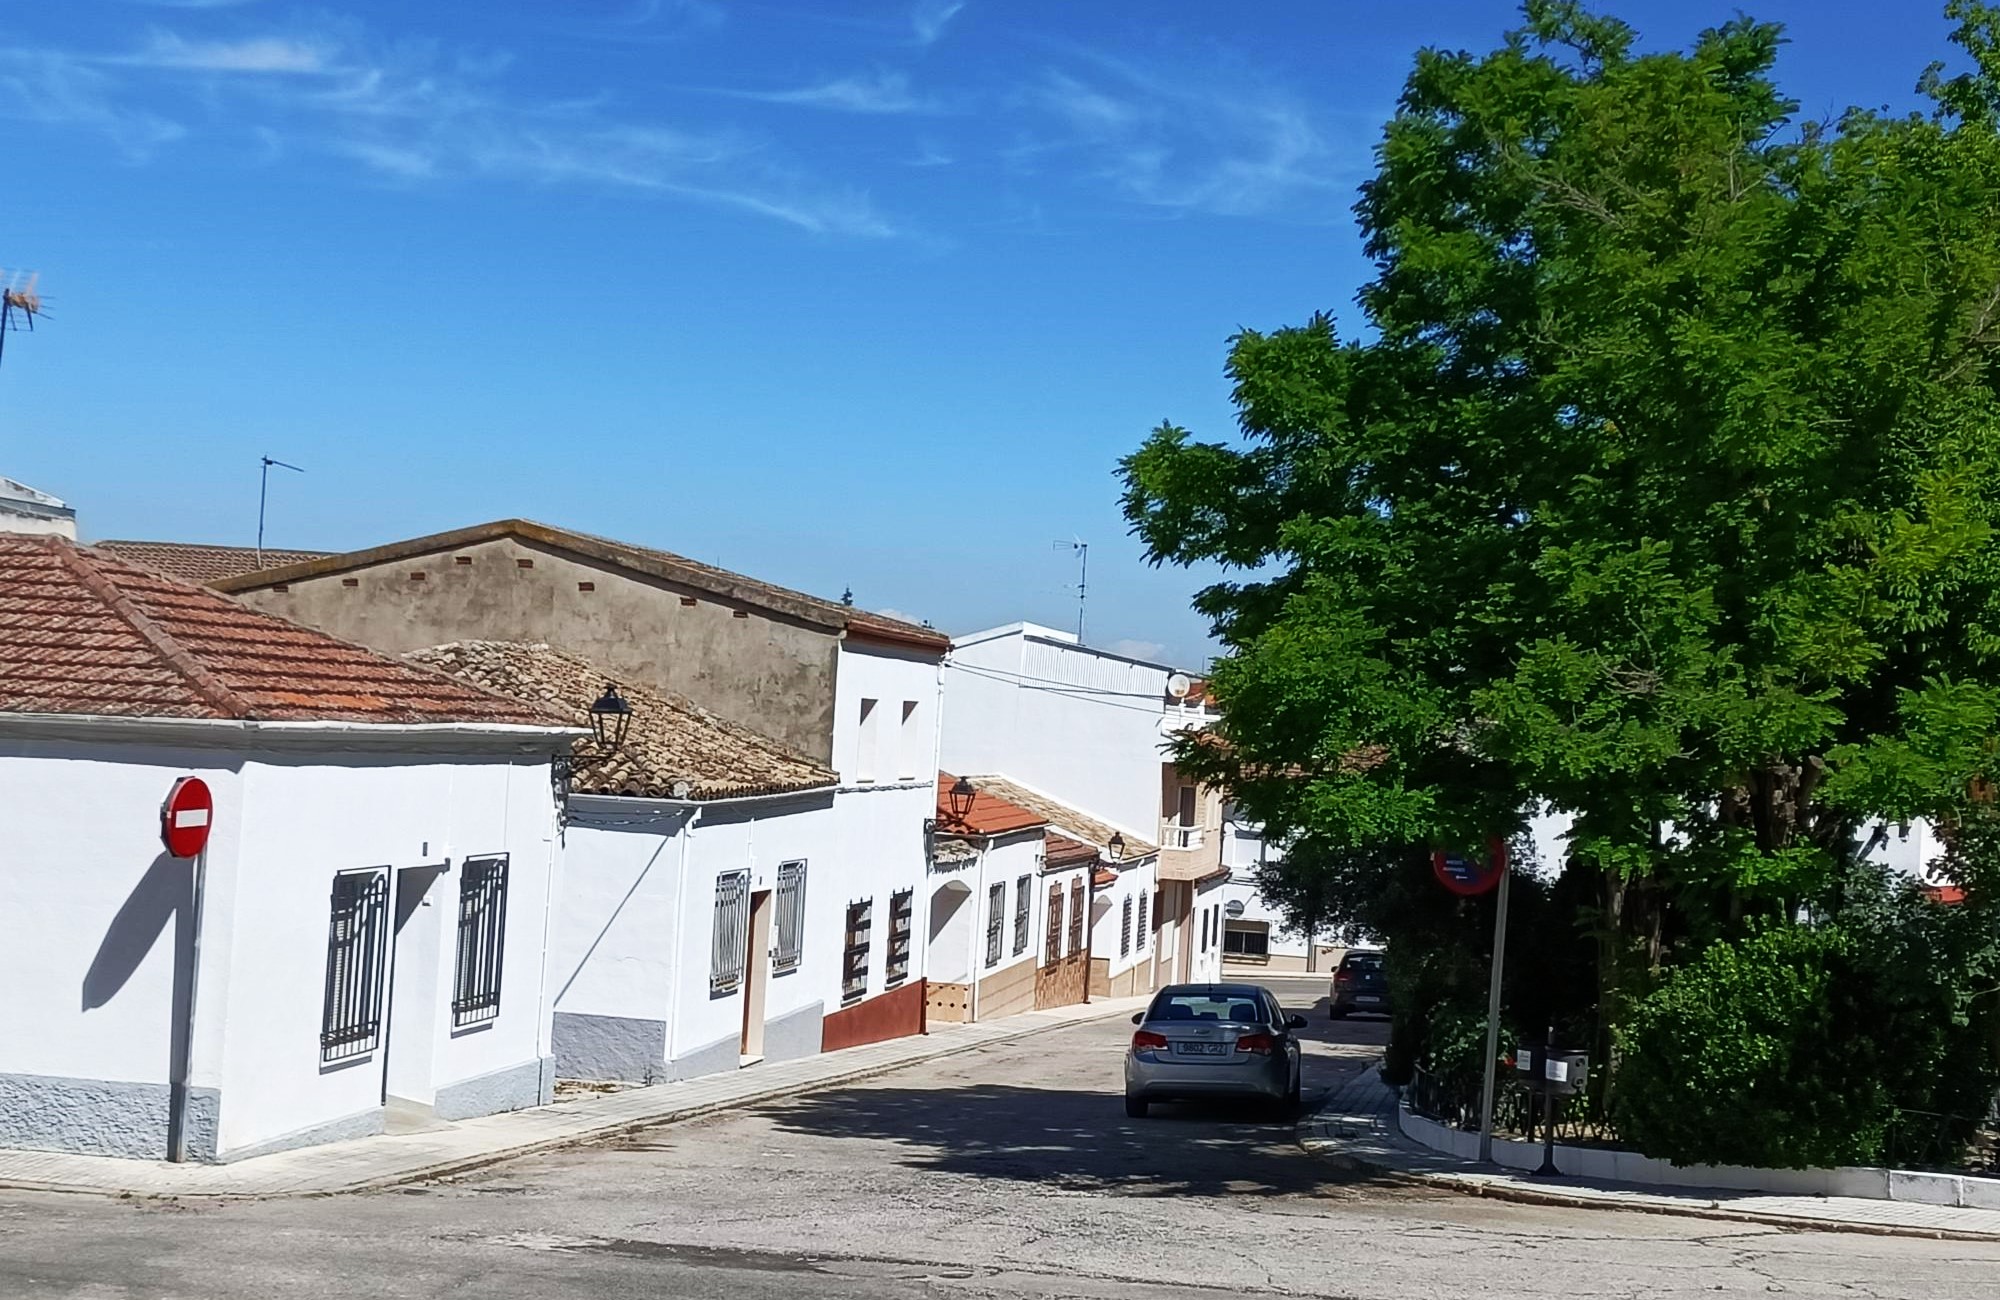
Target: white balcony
[1176,835]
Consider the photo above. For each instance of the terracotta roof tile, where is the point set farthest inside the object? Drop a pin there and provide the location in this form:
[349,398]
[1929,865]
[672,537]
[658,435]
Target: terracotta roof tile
[197,562]
[1072,822]
[668,739]
[989,814]
[85,632]
[1062,851]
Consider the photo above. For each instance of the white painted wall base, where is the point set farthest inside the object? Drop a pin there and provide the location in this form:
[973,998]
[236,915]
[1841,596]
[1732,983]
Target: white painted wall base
[1601,1163]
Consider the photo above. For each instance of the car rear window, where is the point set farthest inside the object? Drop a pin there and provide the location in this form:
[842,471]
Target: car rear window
[1242,1009]
[1363,961]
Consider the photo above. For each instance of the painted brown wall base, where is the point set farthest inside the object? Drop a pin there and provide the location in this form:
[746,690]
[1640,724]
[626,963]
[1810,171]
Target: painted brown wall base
[948,1004]
[1009,992]
[895,1014]
[1125,984]
[1061,985]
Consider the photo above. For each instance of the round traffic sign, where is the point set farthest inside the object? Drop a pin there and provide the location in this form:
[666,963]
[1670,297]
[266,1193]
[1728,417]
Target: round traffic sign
[185,817]
[1467,874]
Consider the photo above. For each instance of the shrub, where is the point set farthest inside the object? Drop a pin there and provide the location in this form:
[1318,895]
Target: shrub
[1754,1055]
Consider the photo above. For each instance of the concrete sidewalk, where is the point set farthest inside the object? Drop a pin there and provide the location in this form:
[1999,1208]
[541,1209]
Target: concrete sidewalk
[389,1159]
[1356,1127]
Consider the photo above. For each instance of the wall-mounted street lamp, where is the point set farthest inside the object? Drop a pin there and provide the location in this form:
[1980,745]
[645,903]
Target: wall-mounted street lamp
[963,792]
[610,719]
[1117,847]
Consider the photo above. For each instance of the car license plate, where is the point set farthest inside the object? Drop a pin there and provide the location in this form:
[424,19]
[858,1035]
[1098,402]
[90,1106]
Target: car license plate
[1198,1049]
[1366,997]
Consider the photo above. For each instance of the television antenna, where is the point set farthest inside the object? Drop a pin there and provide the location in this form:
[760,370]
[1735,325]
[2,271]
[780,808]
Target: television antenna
[1081,549]
[20,303]
[263,491]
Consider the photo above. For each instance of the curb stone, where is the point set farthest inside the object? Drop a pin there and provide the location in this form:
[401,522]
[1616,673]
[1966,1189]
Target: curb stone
[1329,1132]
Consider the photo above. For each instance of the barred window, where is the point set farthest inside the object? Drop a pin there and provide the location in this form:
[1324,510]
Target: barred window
[482,935]
[730,938]
[902,913]
[1024,909]
[1055,925]
[854,960]
[791,902]
[356,949]
[1125,928]
[1143,900]
[1077,907]
[996,917]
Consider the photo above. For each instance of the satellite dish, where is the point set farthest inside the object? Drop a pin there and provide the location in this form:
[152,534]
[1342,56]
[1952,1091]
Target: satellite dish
[1179,685]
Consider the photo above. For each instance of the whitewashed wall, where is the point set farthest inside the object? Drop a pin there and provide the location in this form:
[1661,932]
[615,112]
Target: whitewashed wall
[1076,722]
[94,973]
[1007,859]
[1134,881]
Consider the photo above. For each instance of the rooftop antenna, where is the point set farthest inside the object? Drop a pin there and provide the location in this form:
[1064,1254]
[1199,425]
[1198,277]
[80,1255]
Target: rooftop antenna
[19,303]
[1081,549]
[263,492]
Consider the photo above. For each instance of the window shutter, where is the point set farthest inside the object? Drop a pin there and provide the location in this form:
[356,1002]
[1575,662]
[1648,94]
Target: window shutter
[791,919]
[996,907]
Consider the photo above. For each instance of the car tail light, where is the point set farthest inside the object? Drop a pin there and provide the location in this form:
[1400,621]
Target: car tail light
[1343,977]
[1148,1041]
[1258,1044]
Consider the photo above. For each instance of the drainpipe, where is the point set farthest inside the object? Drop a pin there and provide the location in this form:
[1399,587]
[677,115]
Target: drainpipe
[975,930]
[680,935]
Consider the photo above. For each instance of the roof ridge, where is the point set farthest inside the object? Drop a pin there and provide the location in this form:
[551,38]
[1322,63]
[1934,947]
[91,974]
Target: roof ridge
[205,683]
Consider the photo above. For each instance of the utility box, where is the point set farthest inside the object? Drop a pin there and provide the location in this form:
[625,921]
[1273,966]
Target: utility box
[1557,1072]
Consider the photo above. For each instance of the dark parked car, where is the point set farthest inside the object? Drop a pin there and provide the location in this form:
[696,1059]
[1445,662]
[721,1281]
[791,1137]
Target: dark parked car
[1360,984]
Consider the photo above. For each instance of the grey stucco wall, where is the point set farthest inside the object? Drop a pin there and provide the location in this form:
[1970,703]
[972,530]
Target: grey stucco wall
[795,1034]
[531,1083]
[104,1117]
[624,1048]
[765,671]
[714,1058]
[365,1123]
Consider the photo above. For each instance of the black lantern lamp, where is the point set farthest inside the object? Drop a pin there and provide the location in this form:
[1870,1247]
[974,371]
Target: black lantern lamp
[610,715]
[962,794]
[1117,847]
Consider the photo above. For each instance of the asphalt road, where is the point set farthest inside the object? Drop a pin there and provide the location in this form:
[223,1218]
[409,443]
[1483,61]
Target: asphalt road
[1008,1172]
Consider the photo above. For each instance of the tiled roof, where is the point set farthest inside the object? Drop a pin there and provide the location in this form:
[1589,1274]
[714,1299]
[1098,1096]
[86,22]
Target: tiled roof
[954,851]
[989,815]
[85,632]
[640,559]
[1062,851]
[1072,822]
[197,562]
[668,739]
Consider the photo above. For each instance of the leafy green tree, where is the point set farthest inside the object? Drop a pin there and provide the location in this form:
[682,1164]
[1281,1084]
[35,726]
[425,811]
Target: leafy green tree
[1661,484]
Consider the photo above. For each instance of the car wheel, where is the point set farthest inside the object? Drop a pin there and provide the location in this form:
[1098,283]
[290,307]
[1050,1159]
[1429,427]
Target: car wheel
[1336,1012]
[1135,1107]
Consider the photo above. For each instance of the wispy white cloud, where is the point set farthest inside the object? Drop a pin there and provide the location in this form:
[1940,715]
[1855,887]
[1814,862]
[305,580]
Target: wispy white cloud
[930,17]
[254,54]
[1184,142]
[884,92]
[410,113]
[1152,651]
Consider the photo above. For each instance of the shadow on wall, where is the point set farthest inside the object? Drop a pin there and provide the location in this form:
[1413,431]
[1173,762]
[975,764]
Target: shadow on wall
[164,894]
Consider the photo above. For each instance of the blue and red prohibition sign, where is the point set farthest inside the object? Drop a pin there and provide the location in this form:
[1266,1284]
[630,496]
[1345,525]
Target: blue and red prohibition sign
[1467,874]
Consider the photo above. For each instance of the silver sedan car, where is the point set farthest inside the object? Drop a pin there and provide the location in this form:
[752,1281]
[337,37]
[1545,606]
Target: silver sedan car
[1213,1040]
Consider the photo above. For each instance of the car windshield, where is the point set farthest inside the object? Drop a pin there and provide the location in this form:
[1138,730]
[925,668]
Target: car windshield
[1368,963]
[1237,1006]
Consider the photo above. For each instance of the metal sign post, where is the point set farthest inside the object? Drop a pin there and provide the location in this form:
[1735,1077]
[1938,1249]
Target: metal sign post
[1493,1017]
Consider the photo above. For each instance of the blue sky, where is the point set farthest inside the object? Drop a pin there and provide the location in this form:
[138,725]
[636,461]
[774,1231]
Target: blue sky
[836,294]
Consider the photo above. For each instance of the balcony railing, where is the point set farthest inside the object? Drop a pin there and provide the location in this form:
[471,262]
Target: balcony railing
[1175,835]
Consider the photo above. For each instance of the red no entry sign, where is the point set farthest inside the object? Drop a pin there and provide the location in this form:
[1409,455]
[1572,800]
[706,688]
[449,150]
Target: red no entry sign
[185,817]
[1468,874]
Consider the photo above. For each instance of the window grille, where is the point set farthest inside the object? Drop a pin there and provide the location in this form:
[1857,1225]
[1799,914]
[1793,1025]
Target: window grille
[731,938]
[1143,900]
[996,908]
[1055,925]
[902,912]
[356,950]
[482,939]
[791,920]
[854,962]
[1024,909]
[1125,928]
